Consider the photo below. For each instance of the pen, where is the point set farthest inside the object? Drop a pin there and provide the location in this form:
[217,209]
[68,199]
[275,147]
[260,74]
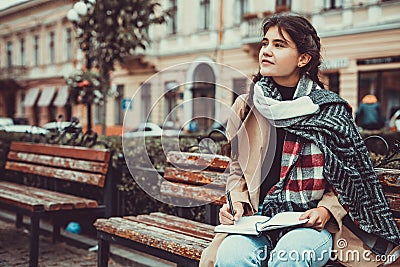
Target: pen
[228,195]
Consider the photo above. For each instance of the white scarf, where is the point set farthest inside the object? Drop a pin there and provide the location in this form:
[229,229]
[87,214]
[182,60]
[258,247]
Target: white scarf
[273,109]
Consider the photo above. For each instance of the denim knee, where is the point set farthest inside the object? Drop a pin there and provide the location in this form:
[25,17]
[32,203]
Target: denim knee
[242,250]
[302,247]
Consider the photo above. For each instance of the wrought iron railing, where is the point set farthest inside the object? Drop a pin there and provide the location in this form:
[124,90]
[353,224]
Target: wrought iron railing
[392,153]
[72,135]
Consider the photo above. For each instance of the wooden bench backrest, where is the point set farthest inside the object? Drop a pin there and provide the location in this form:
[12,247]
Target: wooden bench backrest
[196,176]
[390,180]
[69,163]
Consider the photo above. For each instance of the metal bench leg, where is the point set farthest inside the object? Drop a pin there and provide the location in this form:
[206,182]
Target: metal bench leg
[184,212]
[19,220]
[103,253]
[56,230]
[211,216]
[34,241]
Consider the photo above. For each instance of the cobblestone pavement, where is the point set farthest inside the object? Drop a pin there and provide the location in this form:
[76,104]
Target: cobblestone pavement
[14,250]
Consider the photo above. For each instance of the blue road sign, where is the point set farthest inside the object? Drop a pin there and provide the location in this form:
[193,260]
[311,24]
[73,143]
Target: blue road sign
[127,104]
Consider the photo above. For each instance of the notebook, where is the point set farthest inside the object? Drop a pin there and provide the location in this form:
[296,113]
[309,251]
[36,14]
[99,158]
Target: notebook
[254,225]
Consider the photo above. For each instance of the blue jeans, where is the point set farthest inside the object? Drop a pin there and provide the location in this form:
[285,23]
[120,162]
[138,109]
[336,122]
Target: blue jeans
[299,247]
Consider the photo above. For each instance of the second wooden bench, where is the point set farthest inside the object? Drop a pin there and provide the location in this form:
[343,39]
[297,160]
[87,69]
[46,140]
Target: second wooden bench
[181,240]
[193,179]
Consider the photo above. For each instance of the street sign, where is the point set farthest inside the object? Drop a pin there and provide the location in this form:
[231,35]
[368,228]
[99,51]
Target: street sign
[127,104]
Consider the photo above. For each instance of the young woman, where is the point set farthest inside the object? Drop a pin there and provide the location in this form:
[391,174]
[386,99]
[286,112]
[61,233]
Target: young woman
[295,147]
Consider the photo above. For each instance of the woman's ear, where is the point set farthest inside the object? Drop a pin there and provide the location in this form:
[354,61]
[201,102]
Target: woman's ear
[303,60]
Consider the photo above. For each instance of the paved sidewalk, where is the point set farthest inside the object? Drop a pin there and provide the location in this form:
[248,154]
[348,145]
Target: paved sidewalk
[14,249]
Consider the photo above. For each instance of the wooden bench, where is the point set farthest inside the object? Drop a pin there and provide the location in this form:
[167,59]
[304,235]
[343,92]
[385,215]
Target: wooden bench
[181,240]
[193,179]
[390,180]
[53,169]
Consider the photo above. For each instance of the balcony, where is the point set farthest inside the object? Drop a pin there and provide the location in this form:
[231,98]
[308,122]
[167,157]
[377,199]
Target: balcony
[358,18]
[10,77]
[251,30]
[251,33]
[13,73]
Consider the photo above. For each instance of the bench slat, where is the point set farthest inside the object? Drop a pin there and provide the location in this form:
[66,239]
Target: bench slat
[198,193]
[22,201]
[66,201]
[27,196]
[198,161]
[125,226]
[152,236]
[205,227]
[188,227]
[91,154]
[64,163]
[68,175]
[49,199]
[196,177]
[393,200]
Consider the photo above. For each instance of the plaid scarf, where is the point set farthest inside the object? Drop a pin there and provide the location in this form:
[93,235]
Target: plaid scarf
[324,149]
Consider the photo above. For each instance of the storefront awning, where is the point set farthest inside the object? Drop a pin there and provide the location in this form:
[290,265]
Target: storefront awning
[62,96]
[46,96]
[31,97]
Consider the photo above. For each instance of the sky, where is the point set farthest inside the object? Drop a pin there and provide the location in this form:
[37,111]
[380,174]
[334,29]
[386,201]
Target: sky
[7,3]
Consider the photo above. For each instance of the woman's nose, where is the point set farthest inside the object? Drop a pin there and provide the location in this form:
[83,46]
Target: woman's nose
[266,50]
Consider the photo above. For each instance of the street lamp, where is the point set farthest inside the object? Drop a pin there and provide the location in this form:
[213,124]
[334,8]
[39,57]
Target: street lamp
[74,15]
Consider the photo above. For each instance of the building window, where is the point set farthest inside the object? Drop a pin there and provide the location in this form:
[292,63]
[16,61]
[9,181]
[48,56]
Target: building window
[21,105]
[241,8]
[68,42]
[282,5]
[333,4]
[118,111]
[385,85]
[171,95]
[173,20]
[97,114]
[146,102]
[36,50]
[9,54]
[52,51]
[239,87]
[205,14]
[22,51]
[334,83]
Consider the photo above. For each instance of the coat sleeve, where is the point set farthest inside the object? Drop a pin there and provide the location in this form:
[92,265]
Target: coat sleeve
[236,182]
[330,201]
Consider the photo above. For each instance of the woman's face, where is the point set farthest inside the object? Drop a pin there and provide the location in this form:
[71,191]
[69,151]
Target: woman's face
[279,57]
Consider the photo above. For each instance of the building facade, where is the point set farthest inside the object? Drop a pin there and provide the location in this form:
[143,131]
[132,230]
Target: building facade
[207,51]
[37,49]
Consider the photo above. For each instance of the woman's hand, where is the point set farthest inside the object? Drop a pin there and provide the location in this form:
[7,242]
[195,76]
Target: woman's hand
[317,218]
[225,216]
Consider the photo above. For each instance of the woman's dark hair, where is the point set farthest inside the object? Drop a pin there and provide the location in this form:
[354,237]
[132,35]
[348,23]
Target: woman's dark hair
[304,36]
[306,39]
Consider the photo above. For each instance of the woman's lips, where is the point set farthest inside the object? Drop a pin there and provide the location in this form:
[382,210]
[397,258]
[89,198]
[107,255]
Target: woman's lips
[266,61]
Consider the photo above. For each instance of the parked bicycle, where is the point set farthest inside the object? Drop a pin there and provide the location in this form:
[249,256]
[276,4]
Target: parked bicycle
[66,133]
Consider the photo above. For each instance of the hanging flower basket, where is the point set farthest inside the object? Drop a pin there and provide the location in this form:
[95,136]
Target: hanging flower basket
[85,88]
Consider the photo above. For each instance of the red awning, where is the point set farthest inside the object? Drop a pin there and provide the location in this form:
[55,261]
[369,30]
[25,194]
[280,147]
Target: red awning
[46,96]
[31,97]
[62,96]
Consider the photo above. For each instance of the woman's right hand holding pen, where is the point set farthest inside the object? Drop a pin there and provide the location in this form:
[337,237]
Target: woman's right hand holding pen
[225,216]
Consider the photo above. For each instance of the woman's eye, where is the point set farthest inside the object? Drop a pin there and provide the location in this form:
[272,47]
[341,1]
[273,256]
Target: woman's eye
[279,45]
[264,43]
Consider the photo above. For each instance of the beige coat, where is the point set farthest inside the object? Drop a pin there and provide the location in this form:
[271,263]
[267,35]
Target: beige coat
[253,138]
